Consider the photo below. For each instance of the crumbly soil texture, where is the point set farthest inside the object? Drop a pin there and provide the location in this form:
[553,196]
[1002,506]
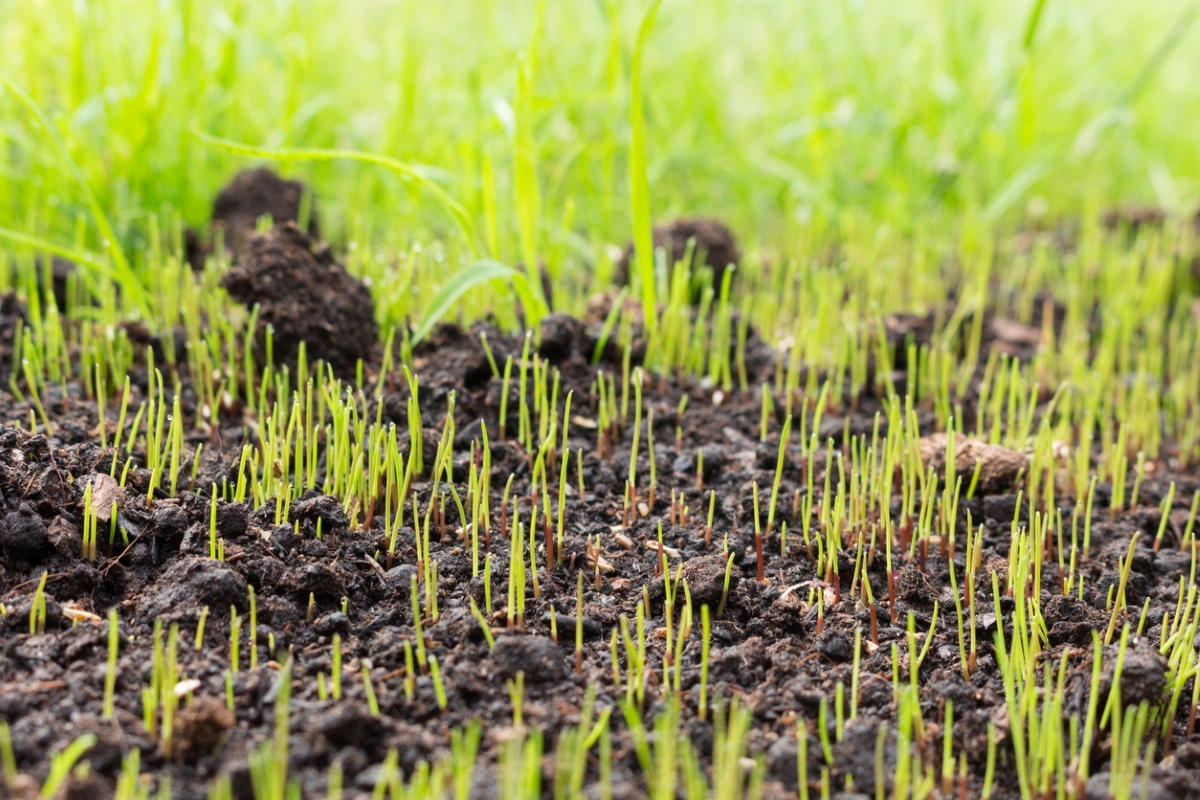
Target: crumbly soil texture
[780,654]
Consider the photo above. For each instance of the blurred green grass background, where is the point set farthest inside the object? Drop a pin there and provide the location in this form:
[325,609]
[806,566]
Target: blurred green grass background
[780,118]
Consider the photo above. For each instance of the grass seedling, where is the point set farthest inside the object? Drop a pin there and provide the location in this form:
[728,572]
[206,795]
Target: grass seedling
[725,587]
[37,609]
[579,623]
[335,656]
[61,764]
[439,687]
[712,507]
[110,673]
[418,634]
[1166,512]
[369,689]
[7,758]
[483,624]
[253,643]
[758,545]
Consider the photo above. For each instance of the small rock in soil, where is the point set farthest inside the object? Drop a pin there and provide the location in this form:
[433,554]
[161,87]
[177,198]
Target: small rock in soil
[192,583]
[1000,466]
[305,296]
[537,656]
[23,534]
[254,193]
[200,727]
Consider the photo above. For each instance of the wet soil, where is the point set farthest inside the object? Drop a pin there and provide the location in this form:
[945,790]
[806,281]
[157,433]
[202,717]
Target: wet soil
[250,194]
[254,193]
[770,648]
[303,295]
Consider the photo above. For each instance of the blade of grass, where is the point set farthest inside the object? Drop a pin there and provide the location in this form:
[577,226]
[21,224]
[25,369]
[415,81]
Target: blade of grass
[639,181]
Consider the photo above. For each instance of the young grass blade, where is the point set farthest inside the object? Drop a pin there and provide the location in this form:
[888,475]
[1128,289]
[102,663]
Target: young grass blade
[466,279]
[526,193]
[639,182]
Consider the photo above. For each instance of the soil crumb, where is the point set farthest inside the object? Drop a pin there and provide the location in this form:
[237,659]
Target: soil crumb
[716,247]
[998,466]
[256,192]
[305,296]
[201,727]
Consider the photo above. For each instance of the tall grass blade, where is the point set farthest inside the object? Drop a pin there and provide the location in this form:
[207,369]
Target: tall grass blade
[639,182]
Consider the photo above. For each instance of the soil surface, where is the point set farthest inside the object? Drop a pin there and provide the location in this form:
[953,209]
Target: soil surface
[770,647]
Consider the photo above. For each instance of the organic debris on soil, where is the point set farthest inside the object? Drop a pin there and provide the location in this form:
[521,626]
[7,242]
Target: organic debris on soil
[303,295]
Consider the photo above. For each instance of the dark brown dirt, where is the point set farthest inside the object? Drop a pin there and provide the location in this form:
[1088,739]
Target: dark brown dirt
[305,296]
[1134,218]
[715,247]
[766,649]
[254,193]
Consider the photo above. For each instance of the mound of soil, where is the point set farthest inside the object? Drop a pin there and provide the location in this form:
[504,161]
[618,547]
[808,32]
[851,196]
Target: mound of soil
[305,296]
[1134,218]
[715,246]
[254,193]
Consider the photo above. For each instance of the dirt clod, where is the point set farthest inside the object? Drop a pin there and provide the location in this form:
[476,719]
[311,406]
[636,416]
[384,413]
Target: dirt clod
[716,247]
[304,296]
[706,579]
[194,582]
[23,534]
[254,193]
[350,726]
[200,727]
[1143,674]
[537,656]
[1000,466]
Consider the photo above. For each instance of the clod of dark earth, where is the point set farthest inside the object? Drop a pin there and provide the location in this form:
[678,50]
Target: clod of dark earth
[304,295]
[255,193]
[251,194]
[715,247]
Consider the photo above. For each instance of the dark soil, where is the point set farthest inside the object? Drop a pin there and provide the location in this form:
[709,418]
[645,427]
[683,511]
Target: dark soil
[305,296]
[766,648]
[254,193]
[715,247]
[251,194]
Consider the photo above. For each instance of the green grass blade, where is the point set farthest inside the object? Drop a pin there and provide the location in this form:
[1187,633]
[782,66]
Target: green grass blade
[124,273]
[639,182]
[81,258]
[460,282]
[526,192]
